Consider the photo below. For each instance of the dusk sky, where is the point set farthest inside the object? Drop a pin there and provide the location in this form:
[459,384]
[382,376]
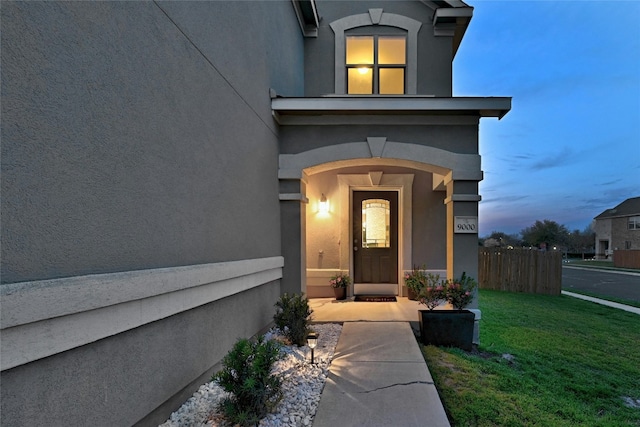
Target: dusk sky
[570,146]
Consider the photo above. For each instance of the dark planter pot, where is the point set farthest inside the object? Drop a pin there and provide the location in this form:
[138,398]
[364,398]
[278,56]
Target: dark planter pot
[411,294]
[340,293]
[447,328]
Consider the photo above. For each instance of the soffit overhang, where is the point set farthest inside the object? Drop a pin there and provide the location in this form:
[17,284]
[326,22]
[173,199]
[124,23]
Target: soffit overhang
[451,18]
[390,106]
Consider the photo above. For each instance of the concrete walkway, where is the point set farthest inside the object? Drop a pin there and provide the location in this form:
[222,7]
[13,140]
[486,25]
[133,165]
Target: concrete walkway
[617,305]
[330,310]
[378,377]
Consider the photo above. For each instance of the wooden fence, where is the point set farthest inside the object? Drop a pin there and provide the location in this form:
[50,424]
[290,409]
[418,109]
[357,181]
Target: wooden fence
[520,270]
[629,258]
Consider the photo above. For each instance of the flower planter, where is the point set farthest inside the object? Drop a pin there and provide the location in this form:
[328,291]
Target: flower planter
[340,293]
[412,295]
[448,328]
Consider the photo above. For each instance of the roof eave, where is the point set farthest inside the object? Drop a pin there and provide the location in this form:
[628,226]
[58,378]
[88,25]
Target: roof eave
[392,105]
[452,22]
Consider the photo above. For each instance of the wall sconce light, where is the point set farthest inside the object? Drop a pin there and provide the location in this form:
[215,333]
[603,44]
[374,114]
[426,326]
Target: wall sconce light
[323,206]
[312,342]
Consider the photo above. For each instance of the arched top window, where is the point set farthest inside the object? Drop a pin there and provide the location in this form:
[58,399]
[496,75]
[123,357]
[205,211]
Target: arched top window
[376,63]
[376,220]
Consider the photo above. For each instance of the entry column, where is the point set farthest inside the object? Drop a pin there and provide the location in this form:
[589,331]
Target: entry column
[462,229]
[293,214]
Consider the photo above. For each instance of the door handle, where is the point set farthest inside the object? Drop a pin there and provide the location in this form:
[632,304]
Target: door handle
[355,249]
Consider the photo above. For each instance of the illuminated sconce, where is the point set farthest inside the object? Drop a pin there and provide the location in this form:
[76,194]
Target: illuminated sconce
[323,206]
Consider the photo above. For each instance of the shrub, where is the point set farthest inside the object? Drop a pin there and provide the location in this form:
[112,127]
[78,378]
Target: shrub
[416,280]
[340,281]
[432,291]
[459,292]
[292,317]
[246,374]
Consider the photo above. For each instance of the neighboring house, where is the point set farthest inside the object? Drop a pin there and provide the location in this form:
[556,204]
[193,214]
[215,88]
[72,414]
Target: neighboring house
[169,169]
[618,228]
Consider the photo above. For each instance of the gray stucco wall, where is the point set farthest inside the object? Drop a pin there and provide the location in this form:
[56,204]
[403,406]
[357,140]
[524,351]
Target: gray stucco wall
[118,381]
[435,54]
[139,134]
[458,139]
[429,233]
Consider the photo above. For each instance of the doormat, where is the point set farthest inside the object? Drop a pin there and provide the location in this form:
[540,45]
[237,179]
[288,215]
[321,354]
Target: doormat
[375,298]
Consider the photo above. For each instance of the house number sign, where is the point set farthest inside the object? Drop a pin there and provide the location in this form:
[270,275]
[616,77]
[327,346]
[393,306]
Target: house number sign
[465,224]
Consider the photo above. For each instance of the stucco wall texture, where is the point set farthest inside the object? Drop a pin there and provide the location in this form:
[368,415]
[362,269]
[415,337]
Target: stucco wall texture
[134,136]
[132,377]
[139,135]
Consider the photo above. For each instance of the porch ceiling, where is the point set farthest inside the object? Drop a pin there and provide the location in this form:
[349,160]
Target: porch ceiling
[390,106]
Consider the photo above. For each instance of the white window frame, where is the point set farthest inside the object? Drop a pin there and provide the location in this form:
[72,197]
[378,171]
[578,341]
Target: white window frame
[633,223]
[376,17]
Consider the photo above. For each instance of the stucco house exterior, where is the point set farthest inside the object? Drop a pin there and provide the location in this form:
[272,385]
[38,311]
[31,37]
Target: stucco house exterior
[169,169]
[618,228]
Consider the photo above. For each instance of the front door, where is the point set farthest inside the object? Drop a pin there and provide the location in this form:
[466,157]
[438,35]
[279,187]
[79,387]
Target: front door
[375,242]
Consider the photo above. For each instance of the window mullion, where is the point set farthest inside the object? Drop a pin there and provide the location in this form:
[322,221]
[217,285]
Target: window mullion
[376,68]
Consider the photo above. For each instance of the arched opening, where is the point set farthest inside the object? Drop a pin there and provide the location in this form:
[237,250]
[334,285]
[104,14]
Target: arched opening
[334,239]
[433,186]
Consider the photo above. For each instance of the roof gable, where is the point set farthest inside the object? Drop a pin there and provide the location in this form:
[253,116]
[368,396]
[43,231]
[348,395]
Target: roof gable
[629,207]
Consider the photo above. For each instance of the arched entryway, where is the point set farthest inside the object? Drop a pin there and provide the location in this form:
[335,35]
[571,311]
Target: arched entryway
[326,239]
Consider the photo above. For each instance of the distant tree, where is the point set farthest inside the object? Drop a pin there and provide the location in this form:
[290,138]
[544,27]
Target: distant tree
[500,239]
[582,241]
[546,233]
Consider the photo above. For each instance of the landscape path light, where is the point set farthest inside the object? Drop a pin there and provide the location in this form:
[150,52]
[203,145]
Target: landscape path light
[312,342]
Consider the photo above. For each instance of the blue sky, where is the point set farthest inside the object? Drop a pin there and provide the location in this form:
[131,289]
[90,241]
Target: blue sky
[570,146]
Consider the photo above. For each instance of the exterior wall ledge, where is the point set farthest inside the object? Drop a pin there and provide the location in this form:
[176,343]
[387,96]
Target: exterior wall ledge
[463,198]
[43,318]
[294,197]
[384,104]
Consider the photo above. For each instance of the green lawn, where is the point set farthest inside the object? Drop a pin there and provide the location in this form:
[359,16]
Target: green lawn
[543,361]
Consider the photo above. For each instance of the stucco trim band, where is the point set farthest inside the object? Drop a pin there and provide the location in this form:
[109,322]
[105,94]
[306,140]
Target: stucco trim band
[43,318]
[461,166]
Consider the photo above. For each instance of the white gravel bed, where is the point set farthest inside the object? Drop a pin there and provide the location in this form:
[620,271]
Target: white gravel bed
[302,385]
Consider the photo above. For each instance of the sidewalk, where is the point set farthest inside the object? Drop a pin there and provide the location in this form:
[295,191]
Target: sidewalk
[379,378]
[617,305]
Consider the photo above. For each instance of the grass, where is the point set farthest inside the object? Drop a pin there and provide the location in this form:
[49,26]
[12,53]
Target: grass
[543,361]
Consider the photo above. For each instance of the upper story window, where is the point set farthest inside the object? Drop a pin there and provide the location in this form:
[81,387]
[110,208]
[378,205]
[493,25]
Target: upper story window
[634,223]
[376,65]
[378,62]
